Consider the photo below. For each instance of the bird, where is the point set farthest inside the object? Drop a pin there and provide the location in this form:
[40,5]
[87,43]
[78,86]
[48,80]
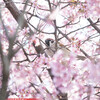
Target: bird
[39,49]
[52,48]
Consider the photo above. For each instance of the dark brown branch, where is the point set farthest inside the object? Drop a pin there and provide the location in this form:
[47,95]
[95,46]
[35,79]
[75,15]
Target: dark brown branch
[49,5]
[17,14]
[93,25]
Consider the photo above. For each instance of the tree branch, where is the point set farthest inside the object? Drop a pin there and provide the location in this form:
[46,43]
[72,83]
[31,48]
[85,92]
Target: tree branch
[18,15]
[93,25]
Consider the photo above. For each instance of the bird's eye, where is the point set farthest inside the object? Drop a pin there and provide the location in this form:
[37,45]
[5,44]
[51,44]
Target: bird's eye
[52,41]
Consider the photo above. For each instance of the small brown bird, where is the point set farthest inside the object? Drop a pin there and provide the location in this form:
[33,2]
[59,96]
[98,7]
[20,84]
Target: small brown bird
[51,49]
[39,49]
